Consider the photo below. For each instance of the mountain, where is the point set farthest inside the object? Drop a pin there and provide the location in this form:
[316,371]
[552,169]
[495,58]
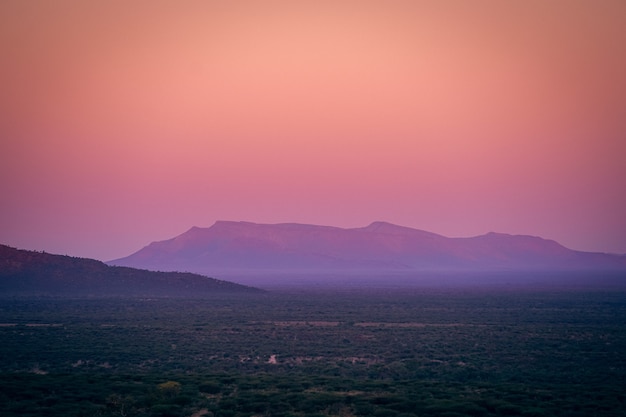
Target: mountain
[34,273]
[243,248]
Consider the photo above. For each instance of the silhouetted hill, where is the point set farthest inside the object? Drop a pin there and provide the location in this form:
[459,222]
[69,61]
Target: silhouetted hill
[381,246]
[35,273]
[378,255]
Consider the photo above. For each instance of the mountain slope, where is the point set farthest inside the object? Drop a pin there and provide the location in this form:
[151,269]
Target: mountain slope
[35,273]
[244,246]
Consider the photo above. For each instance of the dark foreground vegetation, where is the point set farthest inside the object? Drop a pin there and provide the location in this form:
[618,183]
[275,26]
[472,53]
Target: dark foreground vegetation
[425,353]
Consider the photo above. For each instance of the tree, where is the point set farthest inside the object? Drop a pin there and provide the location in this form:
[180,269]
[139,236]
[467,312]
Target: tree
[169,389]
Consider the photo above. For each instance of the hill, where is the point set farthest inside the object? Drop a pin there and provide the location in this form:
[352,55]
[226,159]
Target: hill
[35,273]
[240,249]
[382,246]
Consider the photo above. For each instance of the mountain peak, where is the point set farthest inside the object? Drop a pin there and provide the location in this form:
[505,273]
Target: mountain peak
[393,229]
[381,246]
[374,226]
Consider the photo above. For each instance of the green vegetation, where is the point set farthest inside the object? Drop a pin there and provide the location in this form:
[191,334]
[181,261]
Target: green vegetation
[427,353]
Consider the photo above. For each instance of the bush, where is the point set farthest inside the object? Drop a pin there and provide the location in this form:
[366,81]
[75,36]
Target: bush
[166,410]
[169,389]
[210,387]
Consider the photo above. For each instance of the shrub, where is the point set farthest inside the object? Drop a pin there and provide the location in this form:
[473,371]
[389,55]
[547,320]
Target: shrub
[169,389]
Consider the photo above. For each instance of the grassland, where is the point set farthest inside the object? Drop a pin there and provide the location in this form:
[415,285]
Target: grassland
[352,353]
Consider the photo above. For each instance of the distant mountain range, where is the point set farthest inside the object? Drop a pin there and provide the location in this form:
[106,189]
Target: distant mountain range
[233,248]
[28,273]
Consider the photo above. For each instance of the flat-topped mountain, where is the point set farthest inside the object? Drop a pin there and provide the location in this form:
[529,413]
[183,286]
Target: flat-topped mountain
[35,273]
[243,246]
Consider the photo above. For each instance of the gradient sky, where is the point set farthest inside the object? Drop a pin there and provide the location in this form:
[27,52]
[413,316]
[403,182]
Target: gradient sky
[126,122]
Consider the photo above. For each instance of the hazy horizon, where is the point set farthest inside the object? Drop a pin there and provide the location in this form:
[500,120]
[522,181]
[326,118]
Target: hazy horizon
[124,123]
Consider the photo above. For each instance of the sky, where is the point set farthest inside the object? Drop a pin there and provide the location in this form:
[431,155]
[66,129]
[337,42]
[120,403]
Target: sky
[127,122]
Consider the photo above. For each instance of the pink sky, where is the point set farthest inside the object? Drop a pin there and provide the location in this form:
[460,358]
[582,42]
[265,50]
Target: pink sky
[125,122]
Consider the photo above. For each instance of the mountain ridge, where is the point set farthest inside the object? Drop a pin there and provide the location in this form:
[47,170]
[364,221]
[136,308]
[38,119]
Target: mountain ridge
[230,245]
[25,273]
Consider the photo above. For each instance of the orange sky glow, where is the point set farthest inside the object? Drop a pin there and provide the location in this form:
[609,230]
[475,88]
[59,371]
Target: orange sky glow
[125,122]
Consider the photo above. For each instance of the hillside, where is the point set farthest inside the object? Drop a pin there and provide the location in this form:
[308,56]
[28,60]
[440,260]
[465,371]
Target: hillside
[228,246]
[34,273]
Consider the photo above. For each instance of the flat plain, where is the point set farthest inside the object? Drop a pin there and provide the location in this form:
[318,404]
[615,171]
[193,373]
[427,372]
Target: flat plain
[421,352]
